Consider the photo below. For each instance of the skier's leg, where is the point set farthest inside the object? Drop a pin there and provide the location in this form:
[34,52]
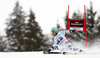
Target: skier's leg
[60,48]
[69,47]
[77,49]
[57,47]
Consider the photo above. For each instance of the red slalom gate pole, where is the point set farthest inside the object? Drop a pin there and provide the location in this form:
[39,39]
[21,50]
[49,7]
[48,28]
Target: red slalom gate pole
[67,20]
[85,26]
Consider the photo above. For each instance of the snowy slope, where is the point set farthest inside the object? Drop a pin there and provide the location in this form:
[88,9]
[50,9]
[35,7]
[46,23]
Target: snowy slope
[41,55]
[91,52]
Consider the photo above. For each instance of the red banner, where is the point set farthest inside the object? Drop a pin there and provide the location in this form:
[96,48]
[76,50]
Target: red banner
[78,24]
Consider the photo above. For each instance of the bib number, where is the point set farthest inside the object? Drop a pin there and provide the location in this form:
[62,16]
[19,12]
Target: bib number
[59,40]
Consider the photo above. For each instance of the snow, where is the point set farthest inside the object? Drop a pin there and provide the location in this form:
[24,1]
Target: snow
[32,24]
[91,52]
[95,29]
[25,38]
[41,55]
[98,24]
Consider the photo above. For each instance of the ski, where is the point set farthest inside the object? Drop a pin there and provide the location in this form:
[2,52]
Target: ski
[52,53]
[64,53]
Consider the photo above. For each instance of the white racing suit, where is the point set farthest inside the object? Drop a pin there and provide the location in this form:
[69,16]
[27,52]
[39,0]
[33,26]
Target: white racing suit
[61,43]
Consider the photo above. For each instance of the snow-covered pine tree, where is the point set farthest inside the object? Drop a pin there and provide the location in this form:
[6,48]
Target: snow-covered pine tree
[15,28]
[90,22]
[33,39]
[96,29]
[2,44]
[77,15]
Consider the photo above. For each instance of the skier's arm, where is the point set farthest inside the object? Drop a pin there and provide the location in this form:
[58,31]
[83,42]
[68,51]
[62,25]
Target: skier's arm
[54,45]
[50,49]
[69,31]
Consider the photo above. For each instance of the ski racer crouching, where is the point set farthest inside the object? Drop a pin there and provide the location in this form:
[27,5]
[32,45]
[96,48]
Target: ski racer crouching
[60,41]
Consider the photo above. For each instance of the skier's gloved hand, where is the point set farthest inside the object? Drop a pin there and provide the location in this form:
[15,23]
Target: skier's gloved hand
[74,30]
[48,50]
[45,52]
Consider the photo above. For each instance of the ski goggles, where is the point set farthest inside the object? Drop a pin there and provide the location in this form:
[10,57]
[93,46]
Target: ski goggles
[53,31]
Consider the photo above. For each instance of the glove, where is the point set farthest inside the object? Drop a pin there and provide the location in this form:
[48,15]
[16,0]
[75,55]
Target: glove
[74,30]
[48,50]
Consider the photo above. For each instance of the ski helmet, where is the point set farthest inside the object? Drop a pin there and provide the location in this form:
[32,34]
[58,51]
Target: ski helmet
[54,29]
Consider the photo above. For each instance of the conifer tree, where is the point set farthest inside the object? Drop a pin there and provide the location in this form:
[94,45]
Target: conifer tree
[15,27]
[90,22]
[34,38]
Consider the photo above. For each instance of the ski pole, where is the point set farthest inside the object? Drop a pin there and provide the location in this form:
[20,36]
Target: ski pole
[85,36]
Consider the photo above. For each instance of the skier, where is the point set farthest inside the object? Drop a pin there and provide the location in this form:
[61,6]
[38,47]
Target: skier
[60,41]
